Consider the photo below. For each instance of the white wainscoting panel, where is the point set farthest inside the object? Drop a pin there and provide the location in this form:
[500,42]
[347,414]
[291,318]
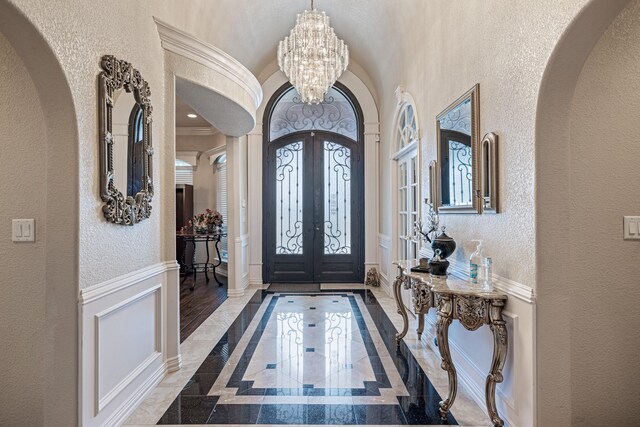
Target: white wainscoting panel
[122,330]
[114,333]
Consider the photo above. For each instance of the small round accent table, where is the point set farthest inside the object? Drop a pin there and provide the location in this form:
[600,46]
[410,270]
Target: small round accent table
[194,267]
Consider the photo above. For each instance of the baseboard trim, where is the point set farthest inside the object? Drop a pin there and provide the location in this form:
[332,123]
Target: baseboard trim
[174,363]
[235,293]
[125,410]
[384,285]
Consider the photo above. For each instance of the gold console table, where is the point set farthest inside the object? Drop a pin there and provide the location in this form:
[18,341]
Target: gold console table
[455,299]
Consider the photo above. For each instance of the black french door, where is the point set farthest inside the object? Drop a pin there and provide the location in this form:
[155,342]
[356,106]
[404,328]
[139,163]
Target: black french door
[313,209]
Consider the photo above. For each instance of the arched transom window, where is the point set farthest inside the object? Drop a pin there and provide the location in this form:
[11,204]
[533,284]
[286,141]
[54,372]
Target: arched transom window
[335,114]
[407,130]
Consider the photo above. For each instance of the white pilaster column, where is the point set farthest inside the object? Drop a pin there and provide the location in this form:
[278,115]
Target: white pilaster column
[371,194]
[237,235]
[254,150]
[171,288]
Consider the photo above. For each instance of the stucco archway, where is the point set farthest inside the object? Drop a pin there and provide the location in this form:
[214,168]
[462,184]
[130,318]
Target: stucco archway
[53,332]
[556,285]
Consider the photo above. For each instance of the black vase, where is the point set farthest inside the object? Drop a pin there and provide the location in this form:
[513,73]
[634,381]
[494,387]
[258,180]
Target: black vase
[438,267]
[445,243]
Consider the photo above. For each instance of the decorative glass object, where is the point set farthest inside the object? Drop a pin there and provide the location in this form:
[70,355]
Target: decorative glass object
[312,57]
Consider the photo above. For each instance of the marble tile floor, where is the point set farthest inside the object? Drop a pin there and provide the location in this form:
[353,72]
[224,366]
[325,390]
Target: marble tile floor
[327,358]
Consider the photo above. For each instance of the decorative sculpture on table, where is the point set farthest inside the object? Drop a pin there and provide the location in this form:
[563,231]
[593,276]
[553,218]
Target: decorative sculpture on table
[444,243]
[443,246]
[427,232]
[437,265]
[372,278]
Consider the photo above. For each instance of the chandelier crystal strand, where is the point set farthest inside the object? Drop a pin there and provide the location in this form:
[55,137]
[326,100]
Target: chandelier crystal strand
[312,57]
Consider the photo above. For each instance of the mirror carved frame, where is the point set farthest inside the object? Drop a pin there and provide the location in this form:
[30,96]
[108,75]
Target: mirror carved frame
[473,95]
[118,208]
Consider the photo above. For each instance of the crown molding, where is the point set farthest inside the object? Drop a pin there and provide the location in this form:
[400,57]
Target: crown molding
[177,41]
[196,131]
[215,152]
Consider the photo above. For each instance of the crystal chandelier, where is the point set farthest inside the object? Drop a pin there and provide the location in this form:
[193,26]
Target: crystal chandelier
[312,57]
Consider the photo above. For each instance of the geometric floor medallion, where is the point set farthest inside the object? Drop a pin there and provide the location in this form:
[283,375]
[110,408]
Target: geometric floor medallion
[309,358]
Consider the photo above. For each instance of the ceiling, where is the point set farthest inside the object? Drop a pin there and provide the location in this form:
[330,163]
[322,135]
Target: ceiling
[182,121]
[249,30]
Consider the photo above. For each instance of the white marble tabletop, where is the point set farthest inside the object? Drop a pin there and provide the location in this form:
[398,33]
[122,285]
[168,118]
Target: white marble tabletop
[448,284]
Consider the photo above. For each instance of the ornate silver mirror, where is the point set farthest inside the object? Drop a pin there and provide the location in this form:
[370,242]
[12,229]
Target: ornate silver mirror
[457,131]
[126,177]
[489,173]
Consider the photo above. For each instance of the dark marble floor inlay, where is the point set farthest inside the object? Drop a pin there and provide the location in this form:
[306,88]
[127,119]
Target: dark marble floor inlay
[194,405]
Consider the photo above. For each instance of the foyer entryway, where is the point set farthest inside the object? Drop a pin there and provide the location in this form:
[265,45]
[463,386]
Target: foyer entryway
[313,200]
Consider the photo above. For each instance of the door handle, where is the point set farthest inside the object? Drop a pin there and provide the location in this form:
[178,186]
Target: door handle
[317,228]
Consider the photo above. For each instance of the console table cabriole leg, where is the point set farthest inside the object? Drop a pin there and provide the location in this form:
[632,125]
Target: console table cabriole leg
[422,303]
[397,292]
[500,345]
[445,316]
[420,324]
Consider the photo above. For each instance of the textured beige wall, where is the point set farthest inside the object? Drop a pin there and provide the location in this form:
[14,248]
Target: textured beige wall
[605,269]
[503,46]
[22,272]
[80,35]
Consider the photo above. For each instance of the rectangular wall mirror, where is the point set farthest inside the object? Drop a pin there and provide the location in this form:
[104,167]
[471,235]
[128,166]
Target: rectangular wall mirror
[457,132]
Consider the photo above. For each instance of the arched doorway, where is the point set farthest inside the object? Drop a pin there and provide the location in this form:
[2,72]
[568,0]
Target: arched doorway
[39,169]
[313,185]
[563,297]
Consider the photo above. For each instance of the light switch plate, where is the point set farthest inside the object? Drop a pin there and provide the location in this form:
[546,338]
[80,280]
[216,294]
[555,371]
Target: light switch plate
[23,230]
[632,227]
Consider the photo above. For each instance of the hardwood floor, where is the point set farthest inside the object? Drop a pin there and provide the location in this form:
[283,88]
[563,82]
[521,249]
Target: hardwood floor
[197,305]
